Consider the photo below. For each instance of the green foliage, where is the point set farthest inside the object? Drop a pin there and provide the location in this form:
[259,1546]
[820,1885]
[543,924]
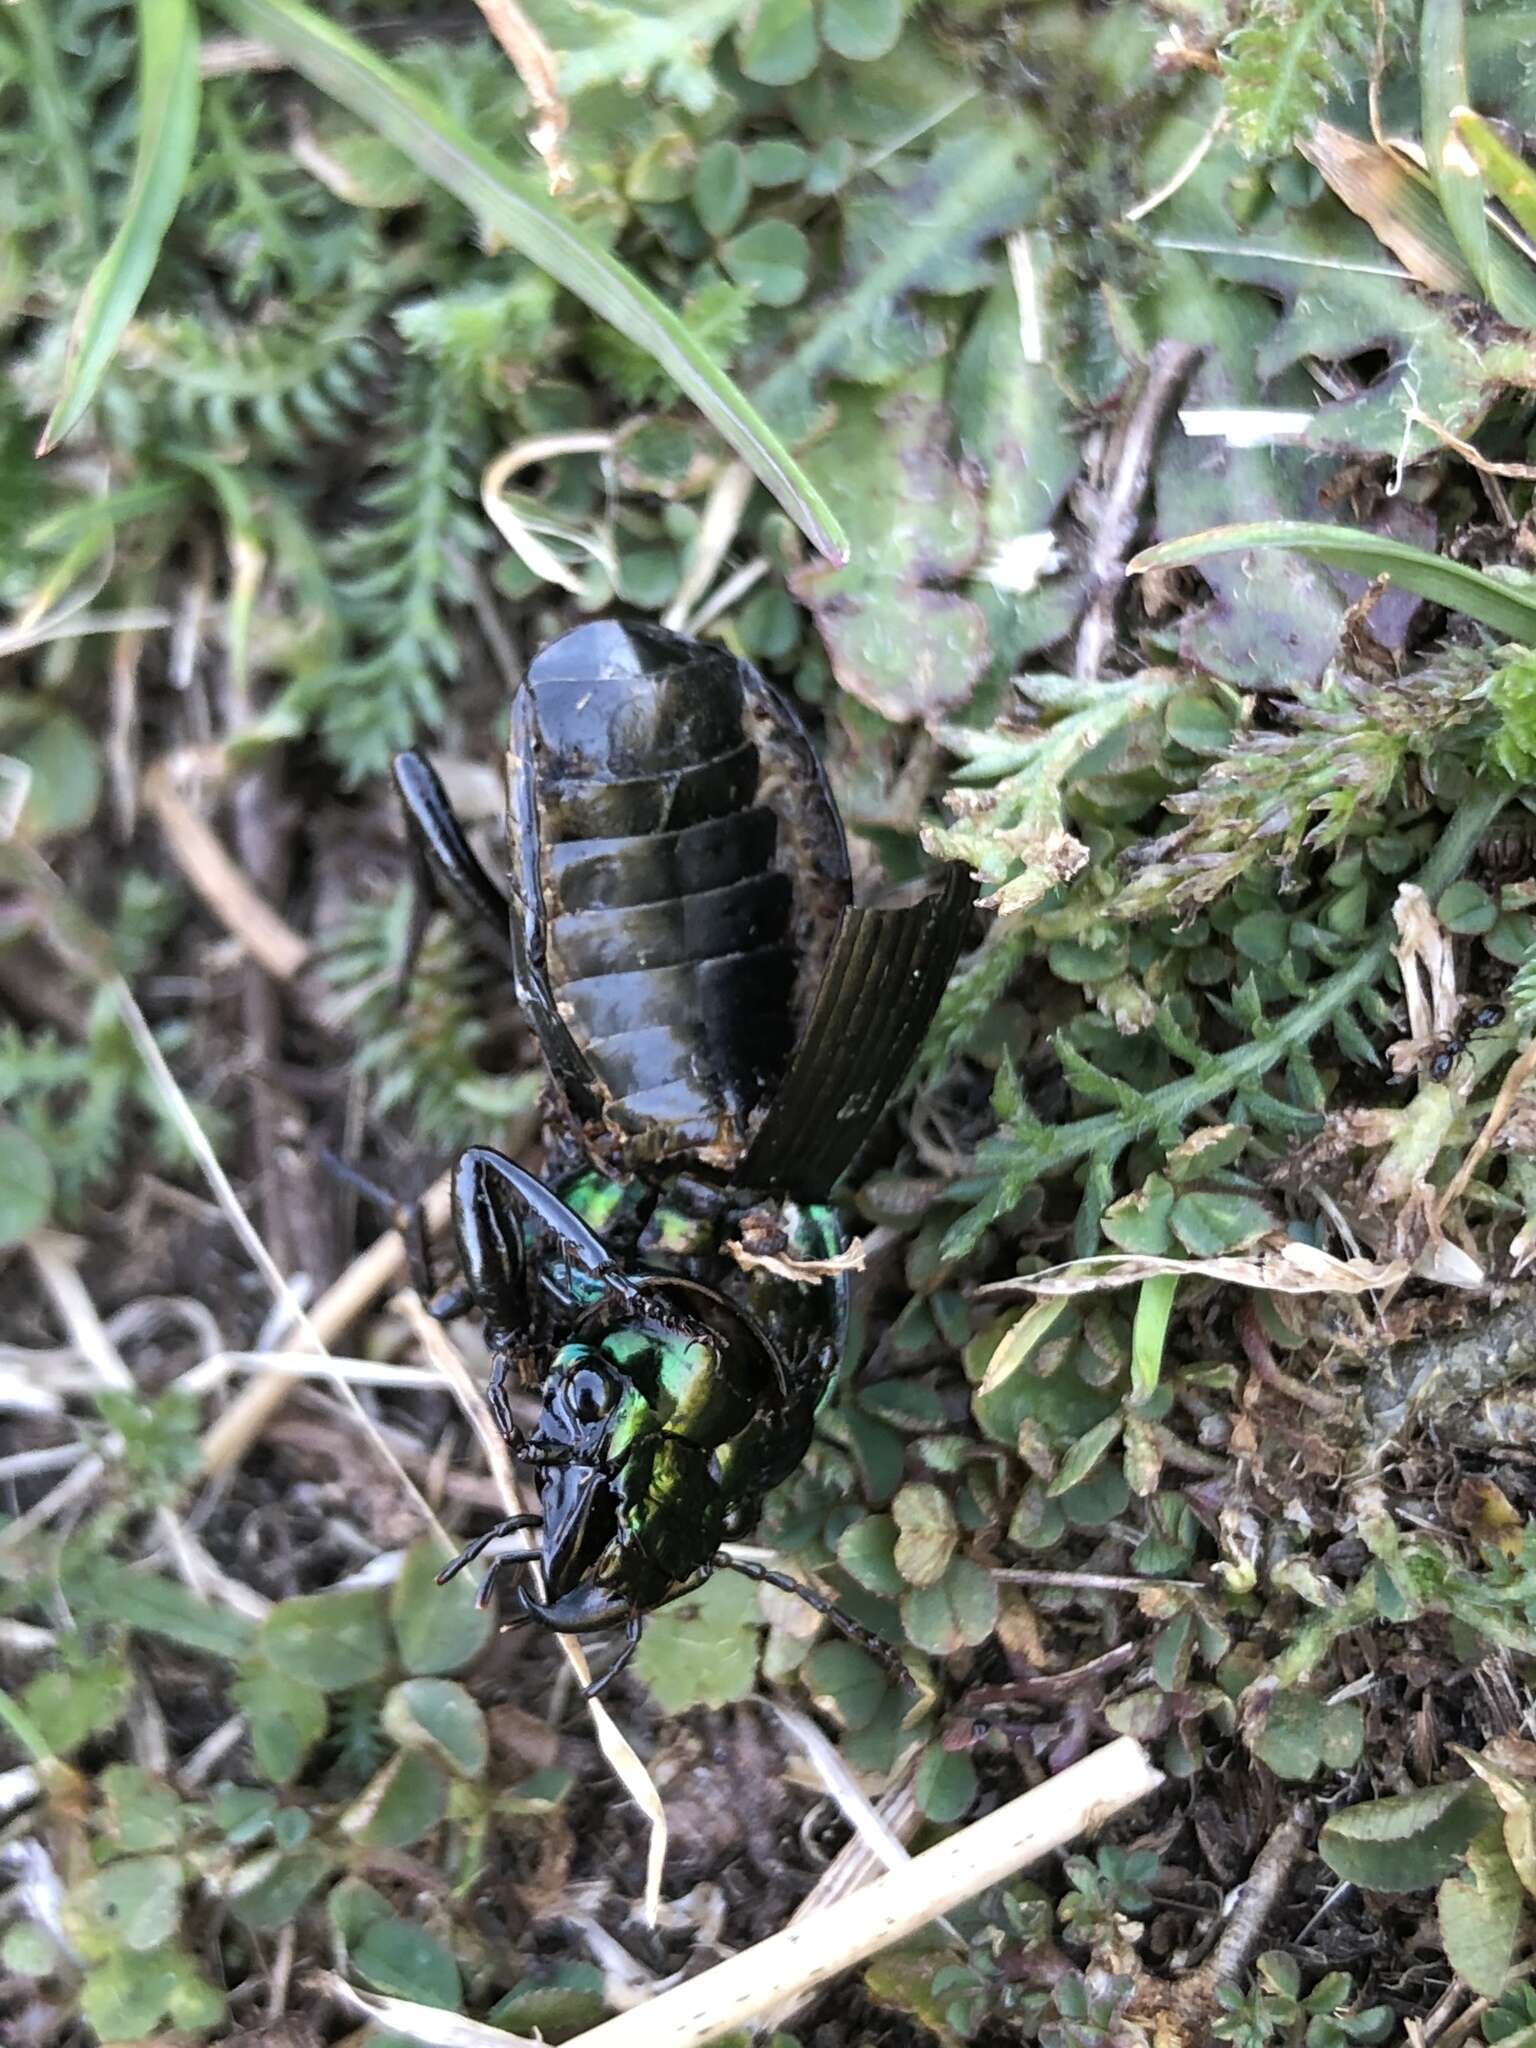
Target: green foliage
[1275,2010]
[399,573]
[421,1055]
[1282,64]
[1512,693]
[76,1109]
[315,1810]
[702,1650]
[158,1451]
[1108,1885]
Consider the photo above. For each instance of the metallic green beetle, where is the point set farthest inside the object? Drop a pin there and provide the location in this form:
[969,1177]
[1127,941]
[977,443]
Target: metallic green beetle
[723,1030]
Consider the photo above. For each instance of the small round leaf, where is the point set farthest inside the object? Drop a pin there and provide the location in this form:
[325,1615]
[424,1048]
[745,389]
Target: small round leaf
[439,1717]
[771,260]
[721,187]
[438,1628]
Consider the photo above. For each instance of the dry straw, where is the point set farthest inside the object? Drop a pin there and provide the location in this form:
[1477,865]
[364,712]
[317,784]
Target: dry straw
[809,1953]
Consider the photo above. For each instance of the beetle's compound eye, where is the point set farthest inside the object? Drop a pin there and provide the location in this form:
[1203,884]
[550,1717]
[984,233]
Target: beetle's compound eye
[593,1395]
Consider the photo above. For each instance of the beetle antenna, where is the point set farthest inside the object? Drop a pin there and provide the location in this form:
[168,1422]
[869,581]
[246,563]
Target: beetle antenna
[409,1218]
[855,1631]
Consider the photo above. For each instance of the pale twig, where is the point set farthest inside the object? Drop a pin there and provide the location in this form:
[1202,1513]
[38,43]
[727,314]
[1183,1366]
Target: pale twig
[210,1752]
[145,619]
[24,1464]
[1520,1072]
[233,56]
[64,1495]
[213,1371]
[1026,290]
[800,1957]
[621,1757]
[52,1255]
[534,63]
[1089,1582]
[201,855]
[730,592]
[374,1272]
[719,524]
[1181,176]
[877,1843]
[197,1569]
[516,527]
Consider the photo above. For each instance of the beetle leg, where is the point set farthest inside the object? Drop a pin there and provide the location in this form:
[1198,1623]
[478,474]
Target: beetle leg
[513,1526]
[450,1304]
[496,1401]
[485,1592]
[856,1632]
[445,864]
[630,1644]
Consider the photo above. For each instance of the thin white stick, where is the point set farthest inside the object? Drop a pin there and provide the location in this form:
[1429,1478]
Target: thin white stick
[216,876]
[52,1256]
[797,1959]
[536,558]
[212,1372]
[731,591]
[304,1330]
[718,527]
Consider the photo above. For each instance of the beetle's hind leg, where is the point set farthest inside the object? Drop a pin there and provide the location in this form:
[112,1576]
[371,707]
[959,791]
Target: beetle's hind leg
[856,1632]
[445,865]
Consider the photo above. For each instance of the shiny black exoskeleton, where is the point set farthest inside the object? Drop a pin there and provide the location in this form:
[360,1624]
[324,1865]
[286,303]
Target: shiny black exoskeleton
[1450,1047]
[718,1019]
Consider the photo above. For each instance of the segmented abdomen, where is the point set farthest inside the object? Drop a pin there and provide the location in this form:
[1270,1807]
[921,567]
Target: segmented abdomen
[668,933]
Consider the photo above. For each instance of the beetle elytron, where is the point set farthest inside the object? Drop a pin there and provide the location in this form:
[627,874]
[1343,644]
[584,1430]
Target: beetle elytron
[723,1029]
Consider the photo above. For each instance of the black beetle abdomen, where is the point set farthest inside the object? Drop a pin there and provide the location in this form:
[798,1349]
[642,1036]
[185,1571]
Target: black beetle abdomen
[669,935]
[609,874]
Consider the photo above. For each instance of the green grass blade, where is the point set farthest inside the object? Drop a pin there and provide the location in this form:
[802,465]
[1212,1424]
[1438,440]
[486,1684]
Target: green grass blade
[1149,1332]
[515,206]
[1511,178]
[1499,606]
[169,91]
[1442,89]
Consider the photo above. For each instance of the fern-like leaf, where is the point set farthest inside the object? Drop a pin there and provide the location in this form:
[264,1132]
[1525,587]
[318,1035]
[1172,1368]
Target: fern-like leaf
[400,572]
[1284,62]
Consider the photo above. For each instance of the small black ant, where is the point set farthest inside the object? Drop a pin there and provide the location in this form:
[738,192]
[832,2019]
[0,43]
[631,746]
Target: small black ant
[1450,1047]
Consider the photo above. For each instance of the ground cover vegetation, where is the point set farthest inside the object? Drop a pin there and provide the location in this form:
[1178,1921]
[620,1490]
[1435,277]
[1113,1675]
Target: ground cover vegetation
[1189,1393]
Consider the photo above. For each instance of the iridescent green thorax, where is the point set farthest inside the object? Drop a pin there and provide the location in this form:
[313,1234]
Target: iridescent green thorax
[703,1381]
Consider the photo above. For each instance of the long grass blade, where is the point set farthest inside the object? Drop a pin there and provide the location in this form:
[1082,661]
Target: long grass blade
[169,91]
[1443,88]
[395,107]
[1499,606]
[1510,176]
